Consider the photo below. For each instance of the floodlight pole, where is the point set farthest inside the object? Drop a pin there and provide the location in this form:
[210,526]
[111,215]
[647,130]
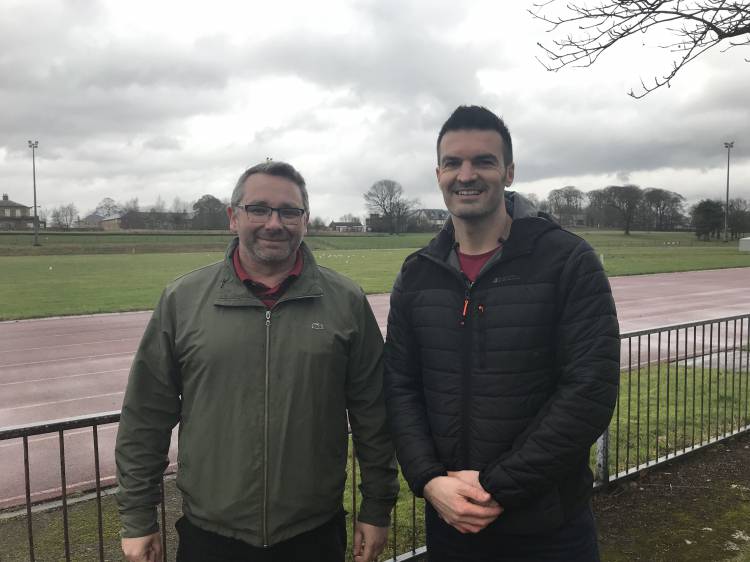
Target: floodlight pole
[33,145]
[728,146]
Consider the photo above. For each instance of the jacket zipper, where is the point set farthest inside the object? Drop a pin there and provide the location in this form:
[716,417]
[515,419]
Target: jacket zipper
[466,375]
[265,430]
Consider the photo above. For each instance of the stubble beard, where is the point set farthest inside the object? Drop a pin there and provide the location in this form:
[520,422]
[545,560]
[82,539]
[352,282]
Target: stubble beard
[264,256]
[476,212]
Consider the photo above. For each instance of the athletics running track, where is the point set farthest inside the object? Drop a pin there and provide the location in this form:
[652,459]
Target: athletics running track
[57,368]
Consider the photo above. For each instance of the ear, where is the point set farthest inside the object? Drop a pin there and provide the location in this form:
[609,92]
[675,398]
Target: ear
[232,214]
[510,173]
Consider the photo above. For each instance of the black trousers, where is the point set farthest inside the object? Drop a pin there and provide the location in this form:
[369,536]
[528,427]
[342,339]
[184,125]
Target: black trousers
[326,543]
[575,541]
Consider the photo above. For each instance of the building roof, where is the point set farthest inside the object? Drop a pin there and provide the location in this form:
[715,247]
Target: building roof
[5,202]
[434,214]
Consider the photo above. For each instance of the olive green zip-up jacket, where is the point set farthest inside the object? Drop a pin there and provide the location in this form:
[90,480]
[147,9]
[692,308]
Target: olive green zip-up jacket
[261,396]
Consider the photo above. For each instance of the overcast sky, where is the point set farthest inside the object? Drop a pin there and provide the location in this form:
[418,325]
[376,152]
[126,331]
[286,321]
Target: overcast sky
[175,99]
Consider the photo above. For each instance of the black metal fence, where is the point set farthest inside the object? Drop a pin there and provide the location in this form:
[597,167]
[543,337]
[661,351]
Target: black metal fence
[682,387]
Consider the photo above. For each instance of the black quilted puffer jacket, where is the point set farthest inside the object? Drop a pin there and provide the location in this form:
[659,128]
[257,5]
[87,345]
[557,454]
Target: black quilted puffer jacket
[514,375]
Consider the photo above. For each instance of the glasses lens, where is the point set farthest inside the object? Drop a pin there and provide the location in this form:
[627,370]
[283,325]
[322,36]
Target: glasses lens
[258,213]
[290,215]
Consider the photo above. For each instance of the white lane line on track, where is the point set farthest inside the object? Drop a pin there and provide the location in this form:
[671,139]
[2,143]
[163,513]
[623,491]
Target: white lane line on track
[68,345]
[75,486]
[65,377]
[39,404]
[16,442]
[46,361]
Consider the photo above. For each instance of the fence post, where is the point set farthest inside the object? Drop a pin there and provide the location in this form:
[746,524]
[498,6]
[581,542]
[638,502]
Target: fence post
[602,459]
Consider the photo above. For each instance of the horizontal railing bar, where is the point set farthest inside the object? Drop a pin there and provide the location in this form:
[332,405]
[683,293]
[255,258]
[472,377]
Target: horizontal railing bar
[39,428]
[672,327]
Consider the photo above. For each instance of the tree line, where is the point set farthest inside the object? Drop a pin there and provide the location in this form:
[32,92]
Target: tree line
[631,207]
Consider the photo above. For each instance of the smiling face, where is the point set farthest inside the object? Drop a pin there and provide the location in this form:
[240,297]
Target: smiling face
[271,242]
[472,174]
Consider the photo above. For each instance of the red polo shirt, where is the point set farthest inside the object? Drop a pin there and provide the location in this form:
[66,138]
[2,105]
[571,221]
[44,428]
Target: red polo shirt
[268,295]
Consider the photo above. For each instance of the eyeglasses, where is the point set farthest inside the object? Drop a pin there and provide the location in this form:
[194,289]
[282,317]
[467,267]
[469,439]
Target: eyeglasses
[261,213]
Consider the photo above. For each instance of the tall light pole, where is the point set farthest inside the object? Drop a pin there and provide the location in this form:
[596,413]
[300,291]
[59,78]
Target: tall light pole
[33,145]
[728,146]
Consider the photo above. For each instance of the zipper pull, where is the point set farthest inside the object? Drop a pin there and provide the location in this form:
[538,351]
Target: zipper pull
[268,317]
[465,310]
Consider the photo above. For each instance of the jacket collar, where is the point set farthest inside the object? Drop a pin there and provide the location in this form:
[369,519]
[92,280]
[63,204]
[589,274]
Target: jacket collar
[233,292]
[527,227]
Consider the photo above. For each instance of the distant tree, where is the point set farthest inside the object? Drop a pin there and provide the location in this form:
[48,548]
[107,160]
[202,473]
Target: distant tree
[107,208]
[708,218]
[130,205]
[64,216]
[349,217]
[210,214]
[159,206]
[625,199]
[317,224]
[565,203]
[663,208]
[738,220]
[695,27]
[533,197]
[180,206]
[386,198]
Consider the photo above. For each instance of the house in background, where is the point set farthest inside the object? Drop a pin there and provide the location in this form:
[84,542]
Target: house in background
[346,226]
[15,216]
[430,219]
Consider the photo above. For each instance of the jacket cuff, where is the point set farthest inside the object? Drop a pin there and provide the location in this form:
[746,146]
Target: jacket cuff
[138,522]
[376,511]
[424,479]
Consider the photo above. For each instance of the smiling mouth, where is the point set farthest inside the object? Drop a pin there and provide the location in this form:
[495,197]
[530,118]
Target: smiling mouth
[467,192]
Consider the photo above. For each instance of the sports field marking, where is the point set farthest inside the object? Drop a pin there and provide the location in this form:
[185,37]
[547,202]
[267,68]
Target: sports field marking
[40,404]
[46,361]
[46,347]
[65,377]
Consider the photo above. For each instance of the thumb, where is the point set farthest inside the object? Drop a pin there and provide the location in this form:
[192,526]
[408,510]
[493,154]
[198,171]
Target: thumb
[359,537]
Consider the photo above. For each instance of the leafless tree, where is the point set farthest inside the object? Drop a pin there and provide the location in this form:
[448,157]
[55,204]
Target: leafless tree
[695,27]
[386,198]
[64,216]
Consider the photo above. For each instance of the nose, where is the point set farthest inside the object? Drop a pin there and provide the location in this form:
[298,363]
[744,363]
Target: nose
[274,221]
[466,173]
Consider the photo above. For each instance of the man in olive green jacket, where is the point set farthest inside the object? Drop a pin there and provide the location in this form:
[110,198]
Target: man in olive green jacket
[258,358]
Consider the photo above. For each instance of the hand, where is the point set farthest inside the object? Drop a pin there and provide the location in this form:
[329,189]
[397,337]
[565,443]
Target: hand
[143,549]
[471,477]
[369,541]
[463,506]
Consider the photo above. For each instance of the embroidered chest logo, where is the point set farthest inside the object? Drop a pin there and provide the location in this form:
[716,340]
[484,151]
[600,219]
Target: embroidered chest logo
[506,279]
[318,326]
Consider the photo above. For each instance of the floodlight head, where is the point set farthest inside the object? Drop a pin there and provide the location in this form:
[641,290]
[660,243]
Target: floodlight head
[729,144]
[33,144]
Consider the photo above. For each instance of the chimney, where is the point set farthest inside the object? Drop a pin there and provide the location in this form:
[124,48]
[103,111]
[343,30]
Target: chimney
[5,196]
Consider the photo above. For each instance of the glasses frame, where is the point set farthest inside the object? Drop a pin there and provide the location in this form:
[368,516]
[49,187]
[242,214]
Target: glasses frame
[289,221]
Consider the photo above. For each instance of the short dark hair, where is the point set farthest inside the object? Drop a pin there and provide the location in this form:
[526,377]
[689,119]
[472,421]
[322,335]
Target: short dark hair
[272,168]
[467,117]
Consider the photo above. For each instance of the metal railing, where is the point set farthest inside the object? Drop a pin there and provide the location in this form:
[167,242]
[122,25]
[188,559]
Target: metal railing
[682,387]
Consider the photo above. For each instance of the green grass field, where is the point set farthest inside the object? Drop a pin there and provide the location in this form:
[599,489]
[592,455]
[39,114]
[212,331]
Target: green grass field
[89,273]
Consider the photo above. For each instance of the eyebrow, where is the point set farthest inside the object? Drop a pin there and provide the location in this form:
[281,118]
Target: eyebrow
[484,156]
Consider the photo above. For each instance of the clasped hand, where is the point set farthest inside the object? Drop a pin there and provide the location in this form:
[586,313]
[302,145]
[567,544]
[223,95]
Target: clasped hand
[461,501]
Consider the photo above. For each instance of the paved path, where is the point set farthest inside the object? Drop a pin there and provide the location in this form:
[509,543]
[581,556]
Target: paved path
[61,367]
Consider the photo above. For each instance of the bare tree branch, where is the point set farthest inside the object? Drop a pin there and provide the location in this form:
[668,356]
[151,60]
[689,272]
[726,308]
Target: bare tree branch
[697,25]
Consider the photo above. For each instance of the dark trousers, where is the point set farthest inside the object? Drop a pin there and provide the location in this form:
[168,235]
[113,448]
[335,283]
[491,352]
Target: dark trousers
[575,541]
[326,543]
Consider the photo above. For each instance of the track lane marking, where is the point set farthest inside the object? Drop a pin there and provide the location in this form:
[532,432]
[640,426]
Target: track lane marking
[65,377]
[41,404]
[46,361]
[68,345]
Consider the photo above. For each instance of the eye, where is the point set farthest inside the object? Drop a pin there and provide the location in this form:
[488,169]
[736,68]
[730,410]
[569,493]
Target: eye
[257,210]
[290,213]
[450,163]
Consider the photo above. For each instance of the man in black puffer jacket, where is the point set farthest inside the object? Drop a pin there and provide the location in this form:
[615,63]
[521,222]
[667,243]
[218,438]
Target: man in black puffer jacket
[502,364]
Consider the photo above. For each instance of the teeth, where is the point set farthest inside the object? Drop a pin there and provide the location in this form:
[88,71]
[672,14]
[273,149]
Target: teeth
[468,192]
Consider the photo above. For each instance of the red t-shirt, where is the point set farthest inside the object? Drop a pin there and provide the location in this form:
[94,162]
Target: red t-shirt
[268,295]
[471,265]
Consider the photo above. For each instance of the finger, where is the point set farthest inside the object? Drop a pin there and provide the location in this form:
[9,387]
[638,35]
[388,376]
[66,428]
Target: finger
[476,494]
[359,539]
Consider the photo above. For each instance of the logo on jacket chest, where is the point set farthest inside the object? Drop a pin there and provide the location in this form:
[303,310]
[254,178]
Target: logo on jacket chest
[506,280]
